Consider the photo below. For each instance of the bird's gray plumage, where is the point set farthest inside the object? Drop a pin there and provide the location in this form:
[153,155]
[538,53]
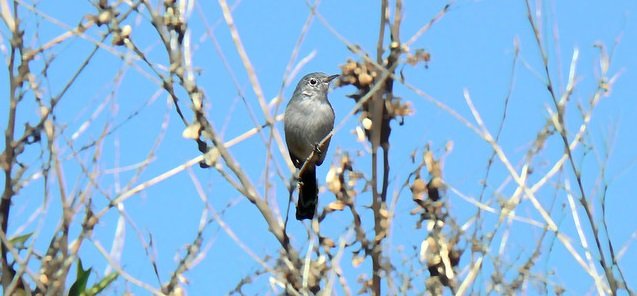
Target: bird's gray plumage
[309,118]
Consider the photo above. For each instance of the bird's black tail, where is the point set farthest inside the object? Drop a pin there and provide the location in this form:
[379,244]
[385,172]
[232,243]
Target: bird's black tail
[308,195]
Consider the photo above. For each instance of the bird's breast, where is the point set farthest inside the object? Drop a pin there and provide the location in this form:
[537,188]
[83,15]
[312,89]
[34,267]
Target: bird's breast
[307,122]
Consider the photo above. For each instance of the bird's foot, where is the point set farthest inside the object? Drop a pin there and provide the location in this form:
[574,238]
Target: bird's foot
[317,149]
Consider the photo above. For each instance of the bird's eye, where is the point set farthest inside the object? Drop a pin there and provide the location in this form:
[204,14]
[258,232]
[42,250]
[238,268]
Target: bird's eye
[313,81]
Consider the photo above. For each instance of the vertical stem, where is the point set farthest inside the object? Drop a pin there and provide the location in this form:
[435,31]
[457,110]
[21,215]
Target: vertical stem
[8,159]
[375,105]
[376,248]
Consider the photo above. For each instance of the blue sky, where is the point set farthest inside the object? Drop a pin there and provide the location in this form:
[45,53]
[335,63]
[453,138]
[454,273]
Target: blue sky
[472,48]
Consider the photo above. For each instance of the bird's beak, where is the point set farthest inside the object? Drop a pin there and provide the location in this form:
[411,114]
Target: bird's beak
[330,78]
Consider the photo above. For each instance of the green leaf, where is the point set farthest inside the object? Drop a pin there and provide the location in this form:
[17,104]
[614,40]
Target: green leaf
[18,241]
[79,287]
[101,285]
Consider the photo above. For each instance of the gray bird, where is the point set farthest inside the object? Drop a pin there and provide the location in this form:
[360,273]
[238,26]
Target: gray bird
[309,117]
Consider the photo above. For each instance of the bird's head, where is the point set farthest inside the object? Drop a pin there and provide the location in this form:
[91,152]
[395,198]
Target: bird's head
[314,84]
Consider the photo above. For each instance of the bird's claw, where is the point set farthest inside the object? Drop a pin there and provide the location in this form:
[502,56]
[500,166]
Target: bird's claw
[317,149]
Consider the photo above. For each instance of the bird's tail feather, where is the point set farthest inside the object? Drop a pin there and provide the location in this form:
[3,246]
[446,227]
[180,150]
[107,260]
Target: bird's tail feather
[308,195]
